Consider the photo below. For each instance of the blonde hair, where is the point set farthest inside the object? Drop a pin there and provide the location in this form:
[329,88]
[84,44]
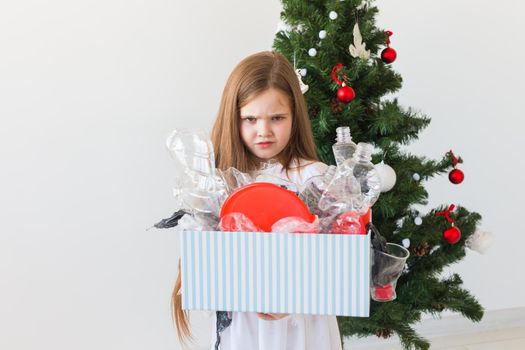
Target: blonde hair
[251,77]
[180,316]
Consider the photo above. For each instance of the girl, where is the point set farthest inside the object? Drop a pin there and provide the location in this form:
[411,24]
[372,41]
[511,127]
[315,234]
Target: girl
[263,118]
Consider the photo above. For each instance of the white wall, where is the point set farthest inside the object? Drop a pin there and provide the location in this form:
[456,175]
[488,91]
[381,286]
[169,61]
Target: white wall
[90,89]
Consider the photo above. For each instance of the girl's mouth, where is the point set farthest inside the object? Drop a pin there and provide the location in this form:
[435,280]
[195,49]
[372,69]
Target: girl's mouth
[264,144]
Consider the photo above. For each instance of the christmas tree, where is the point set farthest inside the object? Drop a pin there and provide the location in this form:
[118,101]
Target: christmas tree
[345,62]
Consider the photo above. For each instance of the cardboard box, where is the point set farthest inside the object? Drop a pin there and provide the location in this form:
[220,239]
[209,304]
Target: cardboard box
[322,274]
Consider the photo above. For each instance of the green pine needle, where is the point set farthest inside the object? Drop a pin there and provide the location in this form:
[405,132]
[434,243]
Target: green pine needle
[376,117]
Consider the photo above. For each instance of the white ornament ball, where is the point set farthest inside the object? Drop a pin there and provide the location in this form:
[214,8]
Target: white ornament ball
[406,242]
[322,34]
[416,177]
[480,241]
[387,175]
[312,52]
[332,15]
[303,72]
[418,221]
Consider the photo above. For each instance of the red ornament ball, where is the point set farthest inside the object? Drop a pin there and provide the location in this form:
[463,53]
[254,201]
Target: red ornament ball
[452,235]
[345,94]
[388,55]
[456,176]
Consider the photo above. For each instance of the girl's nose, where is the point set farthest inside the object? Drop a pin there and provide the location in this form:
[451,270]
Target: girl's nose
[264,129]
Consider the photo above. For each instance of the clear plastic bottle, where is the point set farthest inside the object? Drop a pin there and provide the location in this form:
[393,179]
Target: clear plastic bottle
[314,188]
[365,173]
[198,186]
[344,148]
[343,193]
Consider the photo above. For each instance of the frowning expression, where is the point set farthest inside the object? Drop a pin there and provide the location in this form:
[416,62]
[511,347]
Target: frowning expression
[266,124]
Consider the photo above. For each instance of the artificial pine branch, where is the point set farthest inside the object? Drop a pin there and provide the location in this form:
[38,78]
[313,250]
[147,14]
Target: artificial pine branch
[379,119]
[410,339]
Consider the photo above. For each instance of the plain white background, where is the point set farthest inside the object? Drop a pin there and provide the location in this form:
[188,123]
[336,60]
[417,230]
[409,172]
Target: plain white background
[90,89]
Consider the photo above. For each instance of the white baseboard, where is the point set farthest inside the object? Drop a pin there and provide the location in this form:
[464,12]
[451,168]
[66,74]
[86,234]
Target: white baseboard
[452,325]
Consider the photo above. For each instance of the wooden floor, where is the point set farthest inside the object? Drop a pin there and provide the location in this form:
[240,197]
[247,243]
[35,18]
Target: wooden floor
[505,339]
[499,330]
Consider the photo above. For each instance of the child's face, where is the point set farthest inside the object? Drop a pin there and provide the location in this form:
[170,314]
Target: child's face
[266,124]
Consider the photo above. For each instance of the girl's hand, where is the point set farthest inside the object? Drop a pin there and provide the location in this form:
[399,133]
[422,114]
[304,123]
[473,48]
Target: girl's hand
[271,317]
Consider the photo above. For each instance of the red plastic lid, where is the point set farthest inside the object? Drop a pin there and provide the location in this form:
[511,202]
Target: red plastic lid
[265,203]
[365,219]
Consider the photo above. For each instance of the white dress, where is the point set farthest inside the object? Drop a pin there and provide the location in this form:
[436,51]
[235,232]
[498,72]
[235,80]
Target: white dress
[294,332]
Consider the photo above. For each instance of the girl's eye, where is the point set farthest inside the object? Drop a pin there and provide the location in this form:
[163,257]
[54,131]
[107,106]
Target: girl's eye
[249,119]
[278,117]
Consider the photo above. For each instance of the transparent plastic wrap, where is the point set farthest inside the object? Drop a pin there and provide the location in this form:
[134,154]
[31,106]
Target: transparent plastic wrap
[237,222]
[197,185]
[348,223]
[294,224]
[197,222]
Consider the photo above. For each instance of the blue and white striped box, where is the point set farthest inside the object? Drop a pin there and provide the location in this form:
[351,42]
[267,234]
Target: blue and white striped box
[322,274]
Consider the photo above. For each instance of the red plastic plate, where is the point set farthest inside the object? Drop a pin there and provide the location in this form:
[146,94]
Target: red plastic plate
[265,203]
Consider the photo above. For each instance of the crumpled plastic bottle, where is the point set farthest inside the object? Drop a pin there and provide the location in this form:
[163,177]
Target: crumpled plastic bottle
[313,189]
[198,187]
[233,179]
[365,173]
[343,193]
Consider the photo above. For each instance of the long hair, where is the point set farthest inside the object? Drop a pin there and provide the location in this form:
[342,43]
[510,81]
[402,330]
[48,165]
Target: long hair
[180,317]
[251,77]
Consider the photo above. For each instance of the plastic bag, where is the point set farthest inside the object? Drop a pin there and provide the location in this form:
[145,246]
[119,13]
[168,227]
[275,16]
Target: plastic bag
[294,224]
[237,222]
[348,223]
